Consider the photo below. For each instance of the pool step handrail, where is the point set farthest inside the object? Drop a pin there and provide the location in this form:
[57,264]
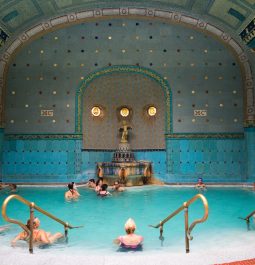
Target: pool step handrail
[32,206]
[247,219]
[188,228]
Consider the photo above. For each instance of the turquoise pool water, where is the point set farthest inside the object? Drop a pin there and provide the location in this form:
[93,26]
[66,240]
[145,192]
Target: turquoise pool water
[104,218]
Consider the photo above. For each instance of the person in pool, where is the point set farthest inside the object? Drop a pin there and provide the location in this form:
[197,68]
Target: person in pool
[117,186]
[13,187]
[200,184]
[130,240]
[71,193]
[99,184]
[103,192]
[91,184]
[39,235]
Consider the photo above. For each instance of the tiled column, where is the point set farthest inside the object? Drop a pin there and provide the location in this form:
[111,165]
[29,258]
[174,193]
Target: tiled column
[250,150]
[1,151]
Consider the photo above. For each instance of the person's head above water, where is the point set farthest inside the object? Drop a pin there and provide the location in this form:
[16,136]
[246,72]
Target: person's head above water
[116,184]
[70,186]
[104,187]
[130,226]
[36,223]
[200,180]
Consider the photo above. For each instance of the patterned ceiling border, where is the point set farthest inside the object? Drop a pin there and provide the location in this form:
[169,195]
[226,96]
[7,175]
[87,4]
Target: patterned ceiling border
[132,12]
[205,136]
[43,136]
[123,69]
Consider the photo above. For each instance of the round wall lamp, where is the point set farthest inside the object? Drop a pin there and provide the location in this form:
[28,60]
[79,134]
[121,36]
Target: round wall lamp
[151,111]
[124,112]
[96,111]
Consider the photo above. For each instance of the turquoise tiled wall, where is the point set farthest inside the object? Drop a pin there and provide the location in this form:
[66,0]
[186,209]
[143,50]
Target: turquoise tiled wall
[201,72]
[1,150]
[216,160]
[41,161]
[250,153]
[46,161]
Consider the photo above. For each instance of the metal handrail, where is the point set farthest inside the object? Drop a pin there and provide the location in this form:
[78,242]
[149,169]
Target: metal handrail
[32,206]
[247,219]
[188,228]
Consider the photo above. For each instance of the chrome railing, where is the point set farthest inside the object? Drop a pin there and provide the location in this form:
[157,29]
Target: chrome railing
[188,228]
[247,219]
[32,206]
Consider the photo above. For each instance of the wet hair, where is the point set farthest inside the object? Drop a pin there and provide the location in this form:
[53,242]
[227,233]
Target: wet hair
[28,223]
[130,230]
[104,187]
[92,180]
[70,186]
[100,179]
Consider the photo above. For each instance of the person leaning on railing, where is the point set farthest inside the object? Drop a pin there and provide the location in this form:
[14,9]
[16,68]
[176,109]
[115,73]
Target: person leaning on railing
[39,235]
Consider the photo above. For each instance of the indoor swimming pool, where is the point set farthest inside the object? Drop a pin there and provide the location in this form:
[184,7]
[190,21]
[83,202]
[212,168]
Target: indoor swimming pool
[104,218]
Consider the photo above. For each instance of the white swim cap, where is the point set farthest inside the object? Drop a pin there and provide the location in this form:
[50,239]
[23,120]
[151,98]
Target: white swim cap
[130,224]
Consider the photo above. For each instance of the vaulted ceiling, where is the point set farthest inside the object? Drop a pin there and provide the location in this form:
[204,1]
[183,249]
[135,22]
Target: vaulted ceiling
[231,15]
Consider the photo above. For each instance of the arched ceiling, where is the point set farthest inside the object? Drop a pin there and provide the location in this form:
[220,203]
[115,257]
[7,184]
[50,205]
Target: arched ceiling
[18,15]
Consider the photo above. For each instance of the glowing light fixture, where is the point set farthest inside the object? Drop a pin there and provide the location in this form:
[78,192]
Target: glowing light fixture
[124,112]
[96,111]
[152,111]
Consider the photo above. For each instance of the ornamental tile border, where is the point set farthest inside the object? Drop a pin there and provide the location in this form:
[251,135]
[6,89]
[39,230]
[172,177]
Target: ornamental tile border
[205,136]
[43,136]
[80,136]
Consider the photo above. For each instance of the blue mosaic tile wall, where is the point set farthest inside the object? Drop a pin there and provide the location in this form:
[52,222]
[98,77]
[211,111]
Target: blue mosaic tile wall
[1,150]
[216,160]
[41,161]
[57,161]
[183,161]
[250,153]
[202,73]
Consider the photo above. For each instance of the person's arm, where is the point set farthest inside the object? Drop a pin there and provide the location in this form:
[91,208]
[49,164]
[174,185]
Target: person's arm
[117,240]
[67,195]
[20,236]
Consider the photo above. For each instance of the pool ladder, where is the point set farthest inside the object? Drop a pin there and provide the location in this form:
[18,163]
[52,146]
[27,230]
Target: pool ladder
[247,219]
[188,228]
[32,206]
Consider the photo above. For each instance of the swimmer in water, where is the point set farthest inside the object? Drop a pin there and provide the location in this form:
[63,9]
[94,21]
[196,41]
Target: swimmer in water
[39,235]
[130,240]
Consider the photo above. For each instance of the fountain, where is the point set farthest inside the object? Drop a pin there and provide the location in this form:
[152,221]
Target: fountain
[124,168]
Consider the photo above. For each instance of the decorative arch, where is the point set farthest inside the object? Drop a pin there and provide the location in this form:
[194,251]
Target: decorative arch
[123,69]
[132,12]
